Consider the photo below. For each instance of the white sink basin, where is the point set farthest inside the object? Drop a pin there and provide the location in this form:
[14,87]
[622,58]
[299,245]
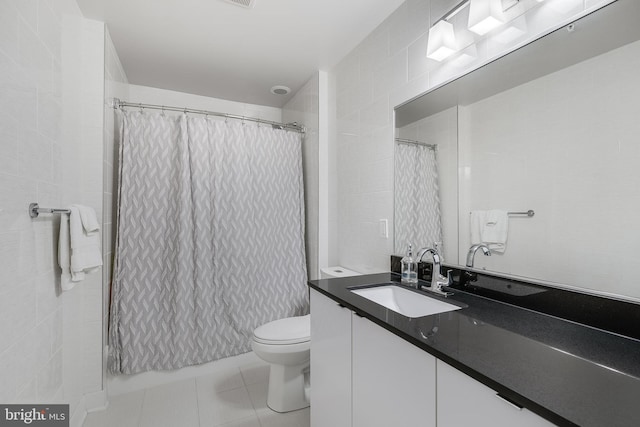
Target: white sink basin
[404,301]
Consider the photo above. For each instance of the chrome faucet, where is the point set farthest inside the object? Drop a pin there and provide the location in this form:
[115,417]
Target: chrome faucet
[472,253]
[437,279]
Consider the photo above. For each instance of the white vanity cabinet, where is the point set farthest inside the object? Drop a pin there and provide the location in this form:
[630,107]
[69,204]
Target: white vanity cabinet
[394,382]
[330,362]
[463,401]
[365,376]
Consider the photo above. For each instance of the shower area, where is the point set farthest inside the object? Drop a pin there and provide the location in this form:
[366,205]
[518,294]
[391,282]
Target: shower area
[210,234]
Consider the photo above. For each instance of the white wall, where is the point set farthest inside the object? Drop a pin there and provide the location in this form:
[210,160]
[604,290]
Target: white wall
[388,68]
[303,108]
[565,145]
[116,85]
[150,95]
[51,86]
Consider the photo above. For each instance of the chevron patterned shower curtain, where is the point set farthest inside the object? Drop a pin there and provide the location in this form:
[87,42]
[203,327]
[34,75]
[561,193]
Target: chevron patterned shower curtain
[210,239]
[417,201]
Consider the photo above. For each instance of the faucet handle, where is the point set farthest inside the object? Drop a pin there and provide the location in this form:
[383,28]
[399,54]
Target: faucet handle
[436,286]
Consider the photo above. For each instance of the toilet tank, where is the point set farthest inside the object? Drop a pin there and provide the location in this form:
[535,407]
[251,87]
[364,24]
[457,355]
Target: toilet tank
[337,271]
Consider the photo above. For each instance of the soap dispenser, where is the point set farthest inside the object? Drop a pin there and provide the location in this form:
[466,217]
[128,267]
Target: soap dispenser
[409,269]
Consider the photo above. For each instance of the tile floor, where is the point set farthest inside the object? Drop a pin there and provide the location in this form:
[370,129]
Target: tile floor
[233,394]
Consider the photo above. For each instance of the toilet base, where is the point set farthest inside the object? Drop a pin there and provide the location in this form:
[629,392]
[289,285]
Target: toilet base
[287,387]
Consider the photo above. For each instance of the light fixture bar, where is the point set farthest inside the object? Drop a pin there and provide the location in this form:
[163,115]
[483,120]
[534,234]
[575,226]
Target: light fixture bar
[508,4]
[454,10]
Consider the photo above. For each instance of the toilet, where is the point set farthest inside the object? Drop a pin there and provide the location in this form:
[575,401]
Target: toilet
[286,345]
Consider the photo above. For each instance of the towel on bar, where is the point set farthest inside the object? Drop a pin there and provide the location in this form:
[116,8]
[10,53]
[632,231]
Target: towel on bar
[491,228]
[64,254]
[78,245]
[88,219]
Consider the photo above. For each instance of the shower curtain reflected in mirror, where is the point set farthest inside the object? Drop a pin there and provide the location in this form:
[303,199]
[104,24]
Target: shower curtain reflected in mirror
[417,218]
[210,240]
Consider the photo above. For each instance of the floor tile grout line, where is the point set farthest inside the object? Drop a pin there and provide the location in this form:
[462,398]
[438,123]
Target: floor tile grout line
[195,384]
[144,397]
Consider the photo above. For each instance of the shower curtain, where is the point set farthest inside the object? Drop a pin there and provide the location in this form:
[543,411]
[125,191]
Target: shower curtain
[210,239]
[417,201]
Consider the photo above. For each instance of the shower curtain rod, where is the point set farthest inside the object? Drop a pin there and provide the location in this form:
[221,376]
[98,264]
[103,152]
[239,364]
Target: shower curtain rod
[414,142]
[288,126]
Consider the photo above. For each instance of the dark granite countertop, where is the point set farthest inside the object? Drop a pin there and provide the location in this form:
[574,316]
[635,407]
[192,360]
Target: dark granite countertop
[566,372]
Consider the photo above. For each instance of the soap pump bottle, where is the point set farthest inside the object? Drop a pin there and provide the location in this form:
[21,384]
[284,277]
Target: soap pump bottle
[409,269]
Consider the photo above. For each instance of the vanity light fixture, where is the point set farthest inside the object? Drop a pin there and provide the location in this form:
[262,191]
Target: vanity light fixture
[442,39]
[485,15]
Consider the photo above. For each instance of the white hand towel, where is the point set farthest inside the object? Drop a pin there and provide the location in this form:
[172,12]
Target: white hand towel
[495,230]
[86,256]
[491,228]
[89,220]
[477,219]
[64,254]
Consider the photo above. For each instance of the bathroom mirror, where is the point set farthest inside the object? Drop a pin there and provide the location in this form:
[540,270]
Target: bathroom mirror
[552,127]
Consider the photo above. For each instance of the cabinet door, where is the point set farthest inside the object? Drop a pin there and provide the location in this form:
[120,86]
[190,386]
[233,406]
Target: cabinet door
[393,381]
[463,401]
[330,363]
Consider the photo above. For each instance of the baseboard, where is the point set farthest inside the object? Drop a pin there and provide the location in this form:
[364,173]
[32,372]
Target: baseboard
[96,401]
[78,417]
[90,402]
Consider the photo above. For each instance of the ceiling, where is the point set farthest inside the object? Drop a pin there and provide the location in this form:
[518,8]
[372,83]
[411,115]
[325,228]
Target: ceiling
[217,49]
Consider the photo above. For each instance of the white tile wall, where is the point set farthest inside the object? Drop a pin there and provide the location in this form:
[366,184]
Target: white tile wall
[50,86]
[569,152]
[116,85]
[303,108]
[150,95]
[388,68]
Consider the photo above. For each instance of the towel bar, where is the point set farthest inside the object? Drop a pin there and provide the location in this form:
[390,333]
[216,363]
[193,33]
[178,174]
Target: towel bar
[528,213]
[35,210]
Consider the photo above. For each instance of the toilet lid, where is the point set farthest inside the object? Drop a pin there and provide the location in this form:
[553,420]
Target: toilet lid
[291,330]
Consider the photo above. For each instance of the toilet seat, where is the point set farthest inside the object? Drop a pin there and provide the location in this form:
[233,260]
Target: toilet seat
[291,330]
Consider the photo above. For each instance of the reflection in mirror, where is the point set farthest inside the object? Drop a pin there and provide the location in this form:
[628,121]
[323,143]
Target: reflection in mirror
[554,127]
[425,188]
[417,202]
